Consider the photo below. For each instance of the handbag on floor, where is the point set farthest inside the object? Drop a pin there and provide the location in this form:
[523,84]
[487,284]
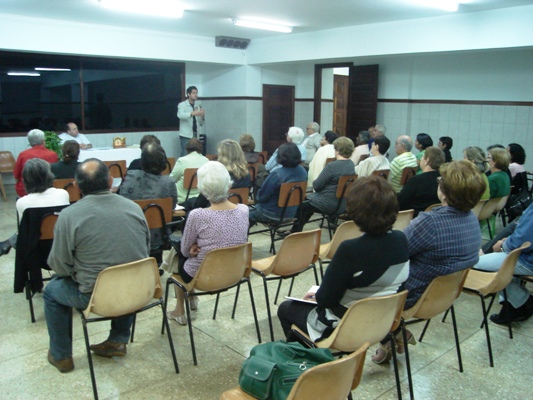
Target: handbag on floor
[272,368]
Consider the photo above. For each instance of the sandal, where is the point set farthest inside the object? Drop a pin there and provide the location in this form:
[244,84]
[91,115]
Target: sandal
[194,303]
[383,354]
[180,319]
[400,345]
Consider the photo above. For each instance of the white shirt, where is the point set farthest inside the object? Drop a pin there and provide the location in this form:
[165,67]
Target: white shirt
[81,138]
[358,152]
[317,163]
[371,164]
[49,198]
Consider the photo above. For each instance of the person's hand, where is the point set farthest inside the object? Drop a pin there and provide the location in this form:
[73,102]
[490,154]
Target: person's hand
[310,296]
[497,248]
[194,250]
[83,146]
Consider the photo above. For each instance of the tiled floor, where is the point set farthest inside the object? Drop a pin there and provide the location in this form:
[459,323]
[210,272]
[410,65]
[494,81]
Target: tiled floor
[223,344]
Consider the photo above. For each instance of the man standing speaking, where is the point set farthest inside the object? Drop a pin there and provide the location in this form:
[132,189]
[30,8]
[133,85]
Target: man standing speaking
[191,115]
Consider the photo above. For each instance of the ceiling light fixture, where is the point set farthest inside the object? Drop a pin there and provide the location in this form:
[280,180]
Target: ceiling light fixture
[24,74]
[160,8]
[52,69]
[447,5]
[262,25]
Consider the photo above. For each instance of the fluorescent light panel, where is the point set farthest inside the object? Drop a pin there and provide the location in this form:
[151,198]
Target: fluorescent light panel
[51,69]
[160,8]
[24,74]
[262,25]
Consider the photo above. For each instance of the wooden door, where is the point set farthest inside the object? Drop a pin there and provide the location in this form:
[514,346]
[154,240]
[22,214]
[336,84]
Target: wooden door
[340,103]
[278,115]
[363,99]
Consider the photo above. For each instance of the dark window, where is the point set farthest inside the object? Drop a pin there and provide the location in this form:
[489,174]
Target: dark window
[98,94]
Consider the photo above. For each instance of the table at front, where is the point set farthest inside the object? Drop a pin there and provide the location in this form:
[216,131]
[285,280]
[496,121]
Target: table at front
[109,154]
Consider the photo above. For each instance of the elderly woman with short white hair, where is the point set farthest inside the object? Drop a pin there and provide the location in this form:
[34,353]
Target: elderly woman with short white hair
[223,224]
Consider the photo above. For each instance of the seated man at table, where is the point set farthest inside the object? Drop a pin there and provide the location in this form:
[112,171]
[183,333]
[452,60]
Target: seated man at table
[99,231]
[72,133]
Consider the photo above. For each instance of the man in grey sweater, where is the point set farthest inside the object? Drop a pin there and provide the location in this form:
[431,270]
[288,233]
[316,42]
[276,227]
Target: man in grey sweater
[99,231]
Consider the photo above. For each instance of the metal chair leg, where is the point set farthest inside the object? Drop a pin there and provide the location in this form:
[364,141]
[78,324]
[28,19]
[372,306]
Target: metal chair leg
[277,291]
[395,363]
[90,358]
[235,301]
[407,360]
[424,330]
[191,334]
[216,306]
[457,345]
[268,309]
[254,310]
[487,333]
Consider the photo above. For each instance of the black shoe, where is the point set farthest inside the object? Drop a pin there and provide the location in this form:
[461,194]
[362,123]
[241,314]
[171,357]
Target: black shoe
[510,314]
[283,234]
[5,247]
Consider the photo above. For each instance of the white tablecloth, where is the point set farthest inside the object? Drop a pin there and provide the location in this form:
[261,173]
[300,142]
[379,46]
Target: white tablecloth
[110,154]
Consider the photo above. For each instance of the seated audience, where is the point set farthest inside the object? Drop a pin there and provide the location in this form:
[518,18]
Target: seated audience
[99,231]
[231,156]
[247,143]
[518,158]
[518,306]
[377,161]
[445,144]
[324,199]
[362,147]
[137,163]
[72,133]
[322,154]
[360,268]
[223,224]
[477,157]
[66,168]
[445,240]
[38,180]
[148,183]
[421,190]
[38,150]
[311,142]
[193,159]
[499,183]
[294,135]
[422,142]
[266,201]
[404,159]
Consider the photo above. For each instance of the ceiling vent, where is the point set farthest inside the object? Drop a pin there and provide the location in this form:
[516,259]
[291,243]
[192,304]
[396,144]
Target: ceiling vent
[231,42]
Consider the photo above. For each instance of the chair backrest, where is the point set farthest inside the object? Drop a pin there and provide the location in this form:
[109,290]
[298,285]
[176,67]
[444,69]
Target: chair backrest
[384,173]
[366,320]
[171,162]
[211,157]
[292,193]
[477,208]
[488,208]
[407,173]
[403,219]
[347,230]
[239,195]
[158,212]
[333,380]
[263,155]
[124,289]
[223,268]
[363,157]
[7,161]
[344,185]
[117,168]
[252,170]
[190,179]
[48,223]
[330,159]
[431,207]
[504,275]
[438,296]
[74,193]
[297,252]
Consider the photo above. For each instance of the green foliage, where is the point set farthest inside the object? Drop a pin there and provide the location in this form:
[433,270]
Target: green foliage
[52,142]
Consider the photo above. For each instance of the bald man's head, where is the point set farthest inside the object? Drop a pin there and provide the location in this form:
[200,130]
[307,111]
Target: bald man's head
[92,176]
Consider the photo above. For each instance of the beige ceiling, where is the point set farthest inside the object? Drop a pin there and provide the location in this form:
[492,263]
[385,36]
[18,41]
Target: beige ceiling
[213,17]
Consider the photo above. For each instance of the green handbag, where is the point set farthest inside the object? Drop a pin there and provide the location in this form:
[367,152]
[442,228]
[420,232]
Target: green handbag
[272,368]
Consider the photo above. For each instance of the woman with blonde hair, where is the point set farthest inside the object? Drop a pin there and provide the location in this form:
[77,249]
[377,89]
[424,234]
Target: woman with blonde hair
[499,182]
[231,156]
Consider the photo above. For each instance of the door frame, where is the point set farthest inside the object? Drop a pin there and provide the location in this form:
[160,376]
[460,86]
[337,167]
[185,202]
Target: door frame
[317,99]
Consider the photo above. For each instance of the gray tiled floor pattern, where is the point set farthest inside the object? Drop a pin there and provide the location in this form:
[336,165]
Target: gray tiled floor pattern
[222,345]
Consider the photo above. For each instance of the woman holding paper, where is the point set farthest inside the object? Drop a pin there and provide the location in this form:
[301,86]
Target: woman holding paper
[360,268]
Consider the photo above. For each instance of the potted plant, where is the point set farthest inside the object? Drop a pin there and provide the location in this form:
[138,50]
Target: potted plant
[52,142]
